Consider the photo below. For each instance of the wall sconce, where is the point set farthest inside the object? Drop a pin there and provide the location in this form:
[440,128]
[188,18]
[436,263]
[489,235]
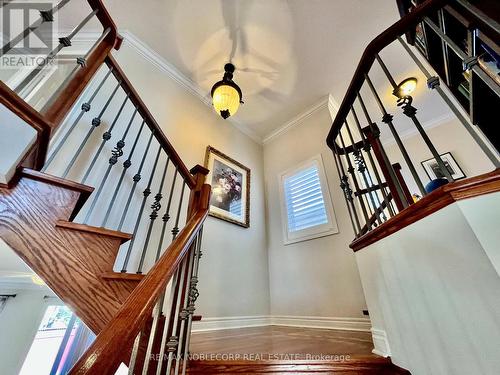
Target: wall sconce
[405,88]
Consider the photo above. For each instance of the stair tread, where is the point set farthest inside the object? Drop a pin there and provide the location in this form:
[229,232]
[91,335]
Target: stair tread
[122,276]
[84,190]
[92,229]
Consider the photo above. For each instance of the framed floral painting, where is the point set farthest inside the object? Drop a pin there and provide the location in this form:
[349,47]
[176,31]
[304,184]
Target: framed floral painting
[230,180]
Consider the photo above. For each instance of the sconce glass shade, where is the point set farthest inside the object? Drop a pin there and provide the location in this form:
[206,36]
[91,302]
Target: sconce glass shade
[226,95]
[406,87]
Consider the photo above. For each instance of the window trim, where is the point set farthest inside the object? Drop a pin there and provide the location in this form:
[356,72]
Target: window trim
[317,231]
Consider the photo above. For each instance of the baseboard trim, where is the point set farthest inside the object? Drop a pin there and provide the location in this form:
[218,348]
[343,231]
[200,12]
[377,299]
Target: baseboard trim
[215,324]
[380,343]
[340,323]
[346,324]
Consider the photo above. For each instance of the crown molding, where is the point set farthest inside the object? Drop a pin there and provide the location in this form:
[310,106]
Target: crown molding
[325,102]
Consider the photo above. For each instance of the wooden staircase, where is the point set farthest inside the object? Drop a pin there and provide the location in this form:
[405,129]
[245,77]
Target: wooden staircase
[75,260]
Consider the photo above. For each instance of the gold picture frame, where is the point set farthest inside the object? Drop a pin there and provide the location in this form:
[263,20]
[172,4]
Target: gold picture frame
[230,180]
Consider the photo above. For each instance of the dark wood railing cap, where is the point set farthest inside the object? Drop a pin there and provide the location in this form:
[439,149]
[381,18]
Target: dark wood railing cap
[199,169]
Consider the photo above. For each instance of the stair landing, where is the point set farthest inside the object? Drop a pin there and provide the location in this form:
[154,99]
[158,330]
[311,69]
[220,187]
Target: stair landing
[279,349]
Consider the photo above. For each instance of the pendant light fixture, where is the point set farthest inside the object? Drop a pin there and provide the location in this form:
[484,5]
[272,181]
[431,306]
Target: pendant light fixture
[226,95]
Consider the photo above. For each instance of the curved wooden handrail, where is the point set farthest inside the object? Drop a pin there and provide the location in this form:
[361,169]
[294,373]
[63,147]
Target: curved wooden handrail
[367,59]
[106,353]
[150,121]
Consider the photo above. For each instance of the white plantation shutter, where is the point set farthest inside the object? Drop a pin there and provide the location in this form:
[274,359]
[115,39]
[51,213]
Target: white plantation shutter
[306,206]
[304,200]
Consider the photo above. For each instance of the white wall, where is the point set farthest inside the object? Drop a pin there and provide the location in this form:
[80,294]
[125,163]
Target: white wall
[448,136]
[434,293]
[233,276]
[318,277]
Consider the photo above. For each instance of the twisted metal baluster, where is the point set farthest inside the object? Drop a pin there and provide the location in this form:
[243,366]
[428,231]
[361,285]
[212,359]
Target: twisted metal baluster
[81,62]
[193,296]
[350,170]
[126,165]
[173,341]
[137,177]
[106,136]
[367,149]
[145,193]
[45,16]
[175,229]
[385,159]
[96,121]
[63,42]
[166,216]
[116,153]
[361,163]
[184,312]
[168,322]
[155,207]
[85,108]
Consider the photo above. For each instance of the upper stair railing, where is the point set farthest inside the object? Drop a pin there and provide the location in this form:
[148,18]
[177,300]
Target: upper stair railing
[374,187]
[101,121]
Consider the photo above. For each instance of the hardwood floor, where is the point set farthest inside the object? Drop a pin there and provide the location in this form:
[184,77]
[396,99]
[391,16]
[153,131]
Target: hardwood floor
[282,350]
[277,340]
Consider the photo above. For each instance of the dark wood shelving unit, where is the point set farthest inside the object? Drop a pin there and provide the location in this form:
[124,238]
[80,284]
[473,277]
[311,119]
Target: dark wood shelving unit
[477,95]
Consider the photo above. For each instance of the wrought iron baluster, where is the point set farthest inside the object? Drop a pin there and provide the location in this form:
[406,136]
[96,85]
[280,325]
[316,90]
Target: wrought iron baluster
[351,171]
[433,84]
[63,42]
[126,165]
[387,119]
[106,136]
[96,121]
[193,296]
[168,322]
[410,111]
[45,16]
[166,216]
[155,207]
[367,149]
[344,185]
[184,312]
[81,62]
[85,108]
[365,173]
[145,194]
[116,153]
[137,177]
[388,166]
[175,229]
[173,341]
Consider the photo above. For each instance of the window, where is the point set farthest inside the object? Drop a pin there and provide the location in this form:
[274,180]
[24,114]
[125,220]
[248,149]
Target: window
[307,210]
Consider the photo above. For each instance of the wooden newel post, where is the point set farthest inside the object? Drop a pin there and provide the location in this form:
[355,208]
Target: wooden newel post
[200,194]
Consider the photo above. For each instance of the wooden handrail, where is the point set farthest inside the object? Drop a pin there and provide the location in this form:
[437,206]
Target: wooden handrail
[46,123]
[367,59]
[106,353]
[150,121]
[33,118]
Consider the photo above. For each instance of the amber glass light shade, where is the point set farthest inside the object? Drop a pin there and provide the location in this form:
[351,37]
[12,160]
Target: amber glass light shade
[226,95]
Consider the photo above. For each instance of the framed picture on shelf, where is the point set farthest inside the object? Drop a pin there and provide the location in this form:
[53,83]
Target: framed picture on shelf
[433,171]
[230,180]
